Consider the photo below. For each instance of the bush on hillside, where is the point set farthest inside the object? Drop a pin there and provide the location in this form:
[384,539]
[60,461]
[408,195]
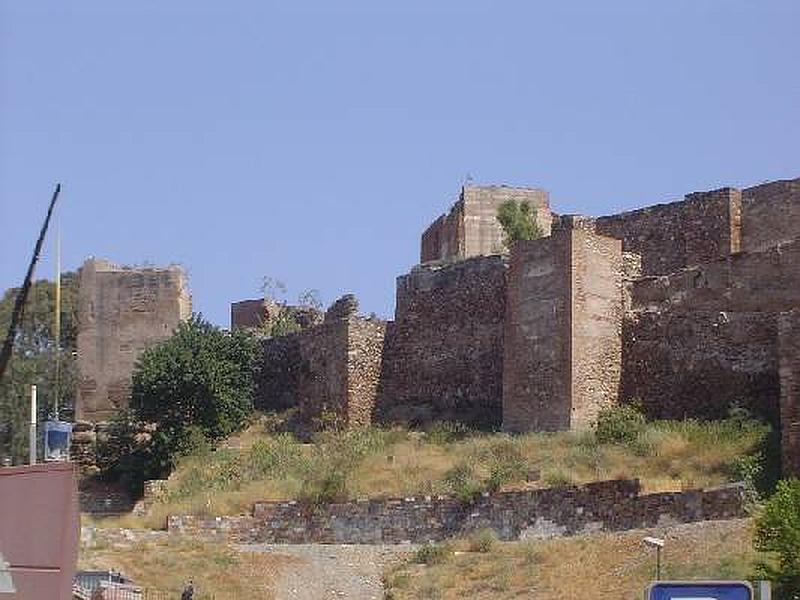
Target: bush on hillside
[778,535]
[190,390]
[620,424]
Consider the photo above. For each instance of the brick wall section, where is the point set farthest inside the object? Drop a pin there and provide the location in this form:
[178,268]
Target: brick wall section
[602,506]
[790,392]
[703,227]
[471,227]
[770,214]
[443,358]
[328,370]
[562,352]
[121,311]
[700,363]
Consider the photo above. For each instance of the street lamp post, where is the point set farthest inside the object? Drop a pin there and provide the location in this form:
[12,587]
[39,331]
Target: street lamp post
[658,544]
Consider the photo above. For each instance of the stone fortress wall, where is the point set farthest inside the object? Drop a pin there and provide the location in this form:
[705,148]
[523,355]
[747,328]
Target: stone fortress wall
[121,311]
[470,228]
[680,306]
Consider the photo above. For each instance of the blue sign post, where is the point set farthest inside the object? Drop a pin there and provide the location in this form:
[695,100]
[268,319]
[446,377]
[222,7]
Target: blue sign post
[700,590]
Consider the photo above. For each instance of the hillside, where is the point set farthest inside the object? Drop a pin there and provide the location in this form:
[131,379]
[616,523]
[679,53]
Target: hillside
[612,566]
[260,464]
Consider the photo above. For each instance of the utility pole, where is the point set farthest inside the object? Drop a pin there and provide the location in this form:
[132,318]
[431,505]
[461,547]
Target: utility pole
[32,432]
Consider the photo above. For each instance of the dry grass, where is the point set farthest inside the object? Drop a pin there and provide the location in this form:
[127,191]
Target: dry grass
[259,465]
[603,566]
[218,572]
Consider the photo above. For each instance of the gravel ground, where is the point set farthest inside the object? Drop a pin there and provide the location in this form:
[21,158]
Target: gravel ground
[323,572]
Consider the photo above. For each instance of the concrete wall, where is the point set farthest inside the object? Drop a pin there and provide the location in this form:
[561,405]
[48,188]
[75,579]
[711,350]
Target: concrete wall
[329,371]
[471,227]
[562,352]
[443,358]
[669,237]
[789,327]
[770,214]
[603,506]
[121,311]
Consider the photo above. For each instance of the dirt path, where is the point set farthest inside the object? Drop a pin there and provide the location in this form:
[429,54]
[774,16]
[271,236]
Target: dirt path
[323,572]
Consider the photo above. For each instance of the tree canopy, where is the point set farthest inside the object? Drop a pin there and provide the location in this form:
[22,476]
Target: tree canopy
[34,360]
[199,382]
[518,220]
[778,535]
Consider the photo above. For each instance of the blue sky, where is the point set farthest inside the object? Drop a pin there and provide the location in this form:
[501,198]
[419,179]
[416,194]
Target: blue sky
[314,141]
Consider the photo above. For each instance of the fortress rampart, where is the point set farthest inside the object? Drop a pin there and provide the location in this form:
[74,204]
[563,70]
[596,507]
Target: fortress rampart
[121,311]
[689,308]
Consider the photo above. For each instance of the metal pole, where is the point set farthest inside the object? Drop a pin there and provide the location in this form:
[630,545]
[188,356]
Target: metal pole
[764,590]
[658,563]
[32,433]
[19,303]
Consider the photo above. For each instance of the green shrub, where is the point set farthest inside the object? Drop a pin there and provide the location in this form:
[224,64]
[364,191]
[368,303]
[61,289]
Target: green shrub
[620,425]
[482,540]
[433,554]
[506,464]
[778,535]
[462,483]
[446,432]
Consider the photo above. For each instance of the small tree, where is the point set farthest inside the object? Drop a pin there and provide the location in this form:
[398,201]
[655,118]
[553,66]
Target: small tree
[199,380]
[518,220]
[778,534]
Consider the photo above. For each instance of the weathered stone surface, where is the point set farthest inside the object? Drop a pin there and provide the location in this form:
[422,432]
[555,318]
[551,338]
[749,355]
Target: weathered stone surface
[563,329]
[764,281]
[704,339]
[444,352]
[603,506]
[669,237]
[701,363]
[329,372]
[770,214]
[790,392]
[121,311]
[471,227]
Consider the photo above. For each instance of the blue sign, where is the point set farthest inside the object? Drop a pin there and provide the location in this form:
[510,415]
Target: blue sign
[699,590]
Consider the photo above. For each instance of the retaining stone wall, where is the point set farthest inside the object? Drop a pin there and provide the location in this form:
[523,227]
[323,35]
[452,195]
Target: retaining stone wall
[602,506]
